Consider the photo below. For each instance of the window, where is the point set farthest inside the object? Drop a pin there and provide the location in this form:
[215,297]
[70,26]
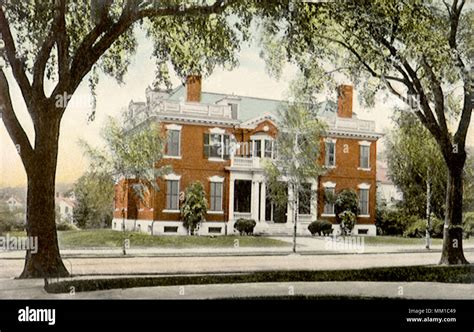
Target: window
[234,108]
[364,201]
[216,196]
[170,229]
[364,156]
[363,231]
[328,199]
[242,194]
[330,153]
[304,199]
[268,148]
[257,148]
[214,230]
[173,143]
[172,194]
[216,146]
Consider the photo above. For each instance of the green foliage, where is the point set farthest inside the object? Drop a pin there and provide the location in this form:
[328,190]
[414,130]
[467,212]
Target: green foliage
[65,226]
[413,158]
[245,226]
[94,200]
[297,145]
[194,207]
[417,228]
[10,219]
[320,227]
[468,224]
[348,220]
[130,154]
[346,200]
[392,221]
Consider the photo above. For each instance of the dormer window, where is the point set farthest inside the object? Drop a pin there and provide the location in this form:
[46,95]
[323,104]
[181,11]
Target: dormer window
[234,109]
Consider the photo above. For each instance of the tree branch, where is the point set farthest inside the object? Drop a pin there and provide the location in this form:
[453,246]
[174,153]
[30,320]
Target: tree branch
[13,126]
[12,56]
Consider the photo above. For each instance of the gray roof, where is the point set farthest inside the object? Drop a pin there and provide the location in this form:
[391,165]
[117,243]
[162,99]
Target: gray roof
[252,107]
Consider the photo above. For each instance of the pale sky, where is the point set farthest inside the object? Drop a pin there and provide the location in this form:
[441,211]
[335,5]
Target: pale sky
[249,79]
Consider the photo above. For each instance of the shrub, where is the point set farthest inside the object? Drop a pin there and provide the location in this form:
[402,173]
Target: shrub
[194,208]
[66,226]
[320,227]
[417,228]
[11,225]
[393,221]
[245,226]
[348,221]
[346,200]
[468,224]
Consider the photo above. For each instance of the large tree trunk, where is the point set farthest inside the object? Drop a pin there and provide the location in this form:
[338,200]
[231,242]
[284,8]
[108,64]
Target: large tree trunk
[40,214]
[452,252]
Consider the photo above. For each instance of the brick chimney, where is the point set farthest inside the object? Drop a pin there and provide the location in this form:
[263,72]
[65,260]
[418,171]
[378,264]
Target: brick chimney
[193,88]
[344,101]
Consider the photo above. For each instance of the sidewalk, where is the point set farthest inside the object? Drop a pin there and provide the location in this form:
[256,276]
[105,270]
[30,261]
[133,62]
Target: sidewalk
[305,246]
[33,289]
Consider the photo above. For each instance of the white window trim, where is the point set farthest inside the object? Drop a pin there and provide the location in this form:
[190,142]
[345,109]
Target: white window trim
[214,159]
[173,126]
[217,130]
[170,211]
[176,128]
[330,140]
[327,215]
[172,177]
[365,143]
[329,185]
[216,178]
[365,186]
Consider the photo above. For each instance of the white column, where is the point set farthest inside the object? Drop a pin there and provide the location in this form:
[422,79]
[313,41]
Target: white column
[254,200]
[231,198]
[262,202]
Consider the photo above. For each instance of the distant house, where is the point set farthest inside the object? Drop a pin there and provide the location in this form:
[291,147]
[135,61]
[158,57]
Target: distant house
[14,203]
[66,206]
[386,189]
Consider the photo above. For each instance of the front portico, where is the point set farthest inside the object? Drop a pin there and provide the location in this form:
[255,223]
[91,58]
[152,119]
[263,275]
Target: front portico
[249,199]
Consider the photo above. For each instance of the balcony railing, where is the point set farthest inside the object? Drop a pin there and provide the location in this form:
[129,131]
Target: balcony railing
[242,215]
[198,109]
[351,124]
[245,162]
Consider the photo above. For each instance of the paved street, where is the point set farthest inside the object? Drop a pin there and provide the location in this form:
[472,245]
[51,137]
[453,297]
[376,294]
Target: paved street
[11,268]
[202,264]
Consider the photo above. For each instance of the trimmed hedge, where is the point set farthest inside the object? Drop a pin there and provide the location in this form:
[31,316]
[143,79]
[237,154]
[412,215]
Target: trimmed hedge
[320,227]
[432,273]
[245,226]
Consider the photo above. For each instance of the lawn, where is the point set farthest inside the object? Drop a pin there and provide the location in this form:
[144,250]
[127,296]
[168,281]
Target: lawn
[114,239]
[395,240]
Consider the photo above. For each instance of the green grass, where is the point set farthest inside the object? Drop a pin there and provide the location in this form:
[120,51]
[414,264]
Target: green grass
[396,240]
[433,273]
[114,239]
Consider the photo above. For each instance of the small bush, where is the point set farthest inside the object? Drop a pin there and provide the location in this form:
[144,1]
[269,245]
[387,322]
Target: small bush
[320,227]
[348,221]
[245,226]
[417,228]
[65,226]
[393,221]
[468,224]
[11,226]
